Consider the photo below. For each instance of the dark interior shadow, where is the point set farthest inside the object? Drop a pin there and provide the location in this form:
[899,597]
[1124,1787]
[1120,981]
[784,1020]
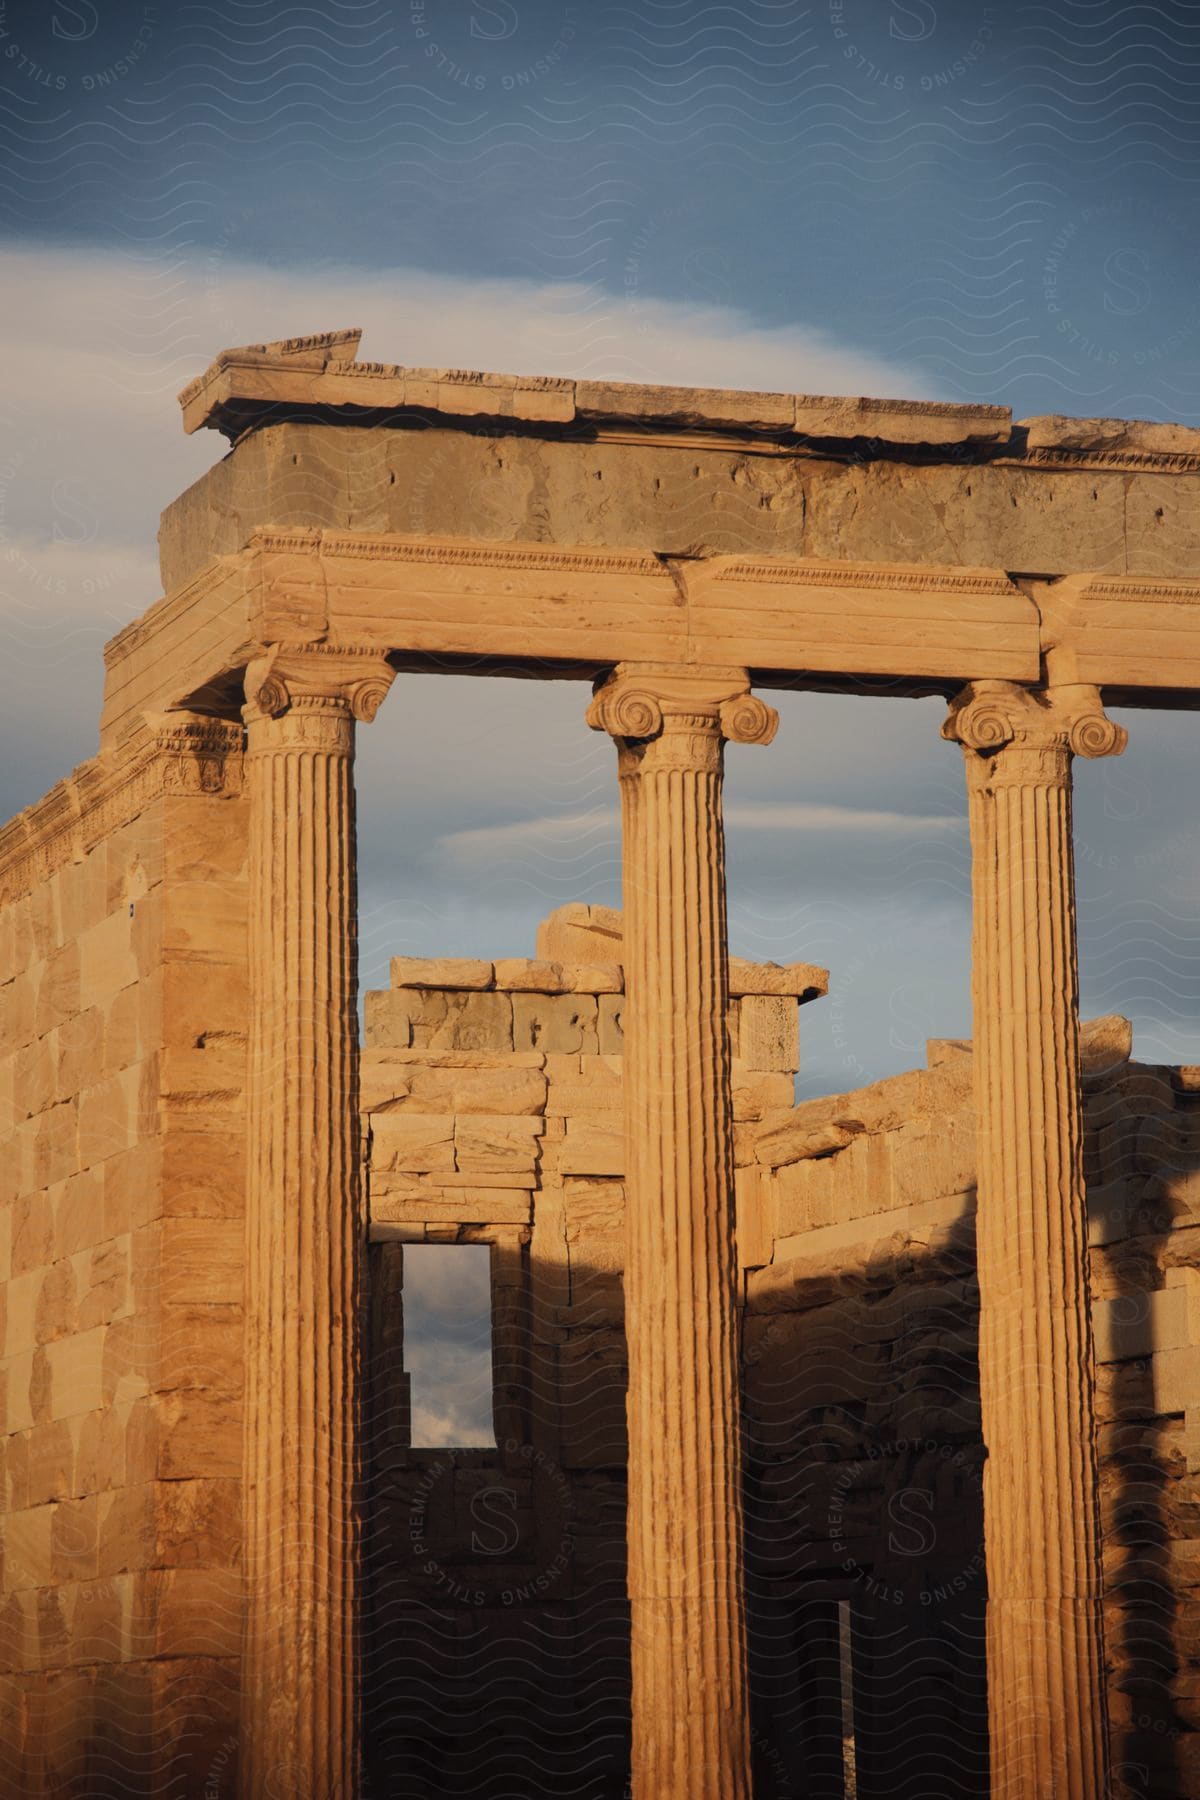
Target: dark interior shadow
[1142,1151]
[498,1635]
[498,1647]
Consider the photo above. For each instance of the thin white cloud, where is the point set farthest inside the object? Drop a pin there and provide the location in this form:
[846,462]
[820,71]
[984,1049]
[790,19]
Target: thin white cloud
[555,832]
[96,344]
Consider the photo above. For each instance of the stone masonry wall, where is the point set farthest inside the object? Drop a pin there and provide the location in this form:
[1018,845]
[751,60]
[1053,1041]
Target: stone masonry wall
[492,1097]
[122,1000]
[500,1654]
[862,1413]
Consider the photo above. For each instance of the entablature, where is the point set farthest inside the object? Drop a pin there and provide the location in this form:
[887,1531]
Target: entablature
[559,612]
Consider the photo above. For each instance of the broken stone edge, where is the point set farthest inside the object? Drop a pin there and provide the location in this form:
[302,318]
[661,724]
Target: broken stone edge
[322,371]
[800,981]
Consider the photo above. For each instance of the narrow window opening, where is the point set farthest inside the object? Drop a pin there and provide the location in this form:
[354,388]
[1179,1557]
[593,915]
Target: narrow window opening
[448,1345]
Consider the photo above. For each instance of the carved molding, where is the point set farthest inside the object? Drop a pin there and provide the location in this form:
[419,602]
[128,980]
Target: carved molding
[1134,462]
[457,553]
[170,753]
[865,575]
[988,716]
[351,678]
[640,702]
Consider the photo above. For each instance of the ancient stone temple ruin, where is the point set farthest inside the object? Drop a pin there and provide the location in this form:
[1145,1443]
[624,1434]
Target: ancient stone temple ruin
[848,1447]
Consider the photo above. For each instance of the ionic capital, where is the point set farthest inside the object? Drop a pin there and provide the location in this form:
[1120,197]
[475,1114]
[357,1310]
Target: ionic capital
[1030,733]
[686,714]
[346,680]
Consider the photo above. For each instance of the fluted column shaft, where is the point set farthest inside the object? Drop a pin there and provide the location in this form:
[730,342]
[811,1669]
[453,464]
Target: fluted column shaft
[304,1233]
[1046,1689]
[690,1715]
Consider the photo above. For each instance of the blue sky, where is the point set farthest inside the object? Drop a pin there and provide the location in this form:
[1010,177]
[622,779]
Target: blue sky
[944,200]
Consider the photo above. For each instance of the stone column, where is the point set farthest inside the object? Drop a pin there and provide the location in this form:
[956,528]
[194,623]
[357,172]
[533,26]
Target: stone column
[690,1717]
[1046,1689]
[304,1227]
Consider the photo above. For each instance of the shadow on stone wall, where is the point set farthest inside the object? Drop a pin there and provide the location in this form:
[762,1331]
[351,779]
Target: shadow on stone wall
[499,1627]
[1143,1139]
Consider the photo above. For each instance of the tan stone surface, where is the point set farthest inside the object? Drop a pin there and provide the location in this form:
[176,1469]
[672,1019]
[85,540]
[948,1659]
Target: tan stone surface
[1046,1688]
[304,1231]
[92,1333]
[819,541]
[690,1720]
[321,370]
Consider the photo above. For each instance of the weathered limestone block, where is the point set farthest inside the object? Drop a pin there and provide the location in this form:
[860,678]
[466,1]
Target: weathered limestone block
[594,1218]
[75,1366]
[765,1032]
[797,1141]
[555,1024]
[28,1557]
[441,972]
[862,1177]
[610,1024]
[423,1019]
[194,1260]
[18,1014]
[591,1148]
[58,989]
[487,1143]
[449,1082]
[540,977]
[400,1210]
[760,1093]
[803,981]
[1105,1046]
[581,933]
[34,1085]
[113,1116]
[204,1004]
[198,1347]
[186,1613]
[413,1141]
[754,1213]
[32,1233]
[932,1157]
[107,961]
[184,1433]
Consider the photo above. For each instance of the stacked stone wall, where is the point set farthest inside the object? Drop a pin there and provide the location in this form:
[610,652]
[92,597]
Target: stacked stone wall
[493,1114]
[863,1422]
[122,987]
[866,1560]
